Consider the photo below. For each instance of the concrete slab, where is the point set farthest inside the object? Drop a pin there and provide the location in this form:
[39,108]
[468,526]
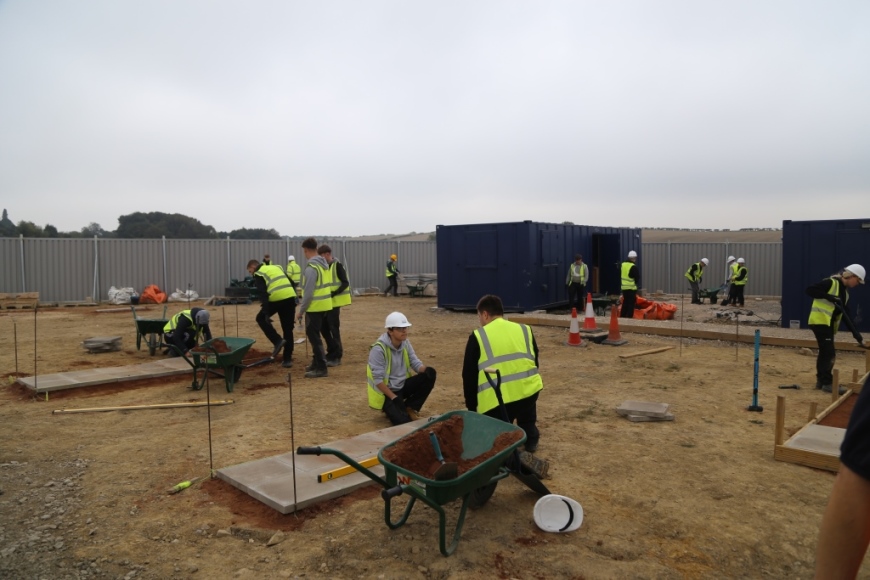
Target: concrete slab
[643,408]
[91,377]
[818,438]
[270,480]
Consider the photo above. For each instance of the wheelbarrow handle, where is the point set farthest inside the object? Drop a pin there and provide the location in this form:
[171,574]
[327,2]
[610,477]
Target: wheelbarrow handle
[391,492]
[308,451]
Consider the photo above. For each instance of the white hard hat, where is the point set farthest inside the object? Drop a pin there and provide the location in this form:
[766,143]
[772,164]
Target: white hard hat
[202,318]
[632,254]
[396,320]
[706,261]
[290,258]
[741,261]
[557,513]
[731,259]
[858,270]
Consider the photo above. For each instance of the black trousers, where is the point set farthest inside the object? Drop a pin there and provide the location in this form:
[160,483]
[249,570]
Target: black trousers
[286,311]
[737,294]
[332,334]
[413,394]
[183,341]
[525,413]
[628,299]
[696,292]
[314,323]
[577,297]
[394,285]
[827,353]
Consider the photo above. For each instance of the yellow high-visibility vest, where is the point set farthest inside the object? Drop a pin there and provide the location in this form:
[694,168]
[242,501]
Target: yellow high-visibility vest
[628,283]
[278,285]
[506,346]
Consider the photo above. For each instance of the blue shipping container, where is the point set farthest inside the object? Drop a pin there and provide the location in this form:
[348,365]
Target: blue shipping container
[812,250]
[526,263]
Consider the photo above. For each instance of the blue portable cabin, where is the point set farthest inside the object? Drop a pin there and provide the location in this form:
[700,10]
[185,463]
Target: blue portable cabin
[812,250]
[525,263]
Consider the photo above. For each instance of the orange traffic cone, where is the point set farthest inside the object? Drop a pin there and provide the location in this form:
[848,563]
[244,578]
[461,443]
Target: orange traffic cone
[589,317]
[574,331]
[613,336]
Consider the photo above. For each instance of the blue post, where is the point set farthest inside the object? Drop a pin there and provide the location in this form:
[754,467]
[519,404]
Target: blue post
[755,406]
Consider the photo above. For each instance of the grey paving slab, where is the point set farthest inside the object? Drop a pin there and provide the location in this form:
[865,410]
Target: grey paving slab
[818,438]
[270,480]
[101,376]
[643,408]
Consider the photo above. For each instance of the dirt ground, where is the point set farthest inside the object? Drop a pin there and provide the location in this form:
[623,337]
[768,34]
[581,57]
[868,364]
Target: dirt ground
[85,495]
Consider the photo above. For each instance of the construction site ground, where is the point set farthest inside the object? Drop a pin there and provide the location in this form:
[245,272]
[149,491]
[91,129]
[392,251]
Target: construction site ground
[85,495]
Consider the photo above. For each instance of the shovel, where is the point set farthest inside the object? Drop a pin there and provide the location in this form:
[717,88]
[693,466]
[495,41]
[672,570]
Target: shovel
[447,470]
[514,465]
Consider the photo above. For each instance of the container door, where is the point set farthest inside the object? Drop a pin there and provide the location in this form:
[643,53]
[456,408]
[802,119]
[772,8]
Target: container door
[606,261]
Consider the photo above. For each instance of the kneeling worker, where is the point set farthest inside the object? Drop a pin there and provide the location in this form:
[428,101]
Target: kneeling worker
[184,330]
[391,385]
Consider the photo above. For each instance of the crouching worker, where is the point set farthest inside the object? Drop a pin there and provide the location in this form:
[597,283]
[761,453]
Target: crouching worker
[391,385]
[184,330]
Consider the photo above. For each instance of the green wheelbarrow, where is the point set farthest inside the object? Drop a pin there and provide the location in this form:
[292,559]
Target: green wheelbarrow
[151,329]
[474,486]
[221,356]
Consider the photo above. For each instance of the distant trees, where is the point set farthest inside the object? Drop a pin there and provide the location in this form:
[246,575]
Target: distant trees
[158,224]
[252,234]
[7,228]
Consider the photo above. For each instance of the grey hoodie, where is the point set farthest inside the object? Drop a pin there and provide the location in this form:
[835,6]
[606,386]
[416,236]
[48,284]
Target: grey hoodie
[398,372]
[309,282]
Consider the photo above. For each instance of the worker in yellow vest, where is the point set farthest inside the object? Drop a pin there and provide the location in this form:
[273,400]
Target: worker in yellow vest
[398,383]
[576,280]
[315,306]
[694,275]
[830,301]
[340,292]
[510,348]
[629,281]
[277,296]
[738,283]
[184,330]
[294,272]
[392,274]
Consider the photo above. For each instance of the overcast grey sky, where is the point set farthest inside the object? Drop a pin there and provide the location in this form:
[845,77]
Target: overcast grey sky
[365,117]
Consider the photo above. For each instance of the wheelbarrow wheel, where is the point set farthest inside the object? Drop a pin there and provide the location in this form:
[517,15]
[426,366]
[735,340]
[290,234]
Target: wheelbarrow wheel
[481,495]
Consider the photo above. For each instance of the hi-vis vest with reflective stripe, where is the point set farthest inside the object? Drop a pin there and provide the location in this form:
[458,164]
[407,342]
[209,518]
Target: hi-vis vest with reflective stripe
[734,268]
[342,299]
[277,283]
[628,282]
[698,273]
[376,397]
[737,273]
[173,323]
[391,269]
[294,272]
[506,346]
[321,300]
[578,274]
[822,310]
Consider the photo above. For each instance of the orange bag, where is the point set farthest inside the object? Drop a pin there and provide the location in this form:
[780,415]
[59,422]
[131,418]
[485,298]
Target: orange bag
[152,295]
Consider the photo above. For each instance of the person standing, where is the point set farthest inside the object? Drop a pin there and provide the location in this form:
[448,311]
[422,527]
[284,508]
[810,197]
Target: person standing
[392,387]
[738,283]
[340,292]
[694,274]
[294,272]
[731,263]
[315,306]
[830,301]
[629,280]
[576,280]
[392,273]
[277,296]
[184,330]
[510,348]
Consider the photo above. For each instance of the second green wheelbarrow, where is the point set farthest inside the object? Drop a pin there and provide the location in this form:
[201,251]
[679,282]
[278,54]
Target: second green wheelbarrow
[151,329]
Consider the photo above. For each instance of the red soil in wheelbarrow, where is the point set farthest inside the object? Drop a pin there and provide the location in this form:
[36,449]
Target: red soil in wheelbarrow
[218,346]
[414,452]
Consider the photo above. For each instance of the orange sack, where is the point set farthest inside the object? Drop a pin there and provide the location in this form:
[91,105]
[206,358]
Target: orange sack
[648,310]
[152,295]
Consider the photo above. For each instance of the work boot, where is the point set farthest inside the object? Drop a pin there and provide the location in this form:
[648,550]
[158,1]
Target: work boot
[287,364]
[534,464]
[334,362]
[531,446]
[412,413]
[828,388]
[316,373]
[278,346]
[819,385]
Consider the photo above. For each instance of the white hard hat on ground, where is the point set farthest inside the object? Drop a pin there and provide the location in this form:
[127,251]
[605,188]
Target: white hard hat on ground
[290,258]
[557,513]
[632,254]
[706,261]
[396,320]
[731,259]
[741,261]
[858,270]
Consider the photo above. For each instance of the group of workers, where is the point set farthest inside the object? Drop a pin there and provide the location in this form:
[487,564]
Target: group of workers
[735,282]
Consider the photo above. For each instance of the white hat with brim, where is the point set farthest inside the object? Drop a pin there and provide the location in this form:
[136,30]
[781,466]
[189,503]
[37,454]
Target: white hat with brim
[557,513]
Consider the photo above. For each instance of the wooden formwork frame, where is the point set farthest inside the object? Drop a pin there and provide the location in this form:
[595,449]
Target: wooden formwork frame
[831,462]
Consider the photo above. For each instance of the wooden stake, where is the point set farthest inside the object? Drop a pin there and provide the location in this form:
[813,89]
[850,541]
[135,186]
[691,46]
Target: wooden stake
[813,409]
[142,407]
[780,421]
[835,386]
[645,352]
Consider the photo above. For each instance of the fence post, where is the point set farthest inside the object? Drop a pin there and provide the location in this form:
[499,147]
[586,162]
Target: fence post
[94,296]
[165,288]
[21,248]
